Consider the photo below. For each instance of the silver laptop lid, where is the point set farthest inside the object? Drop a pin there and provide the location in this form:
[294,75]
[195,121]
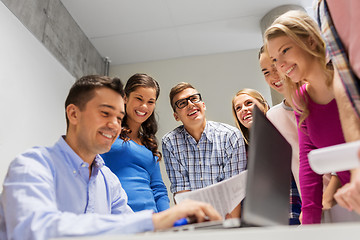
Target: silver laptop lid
[269,175]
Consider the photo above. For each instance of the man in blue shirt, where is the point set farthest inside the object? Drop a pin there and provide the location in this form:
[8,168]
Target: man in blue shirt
[199,153]
[65,190]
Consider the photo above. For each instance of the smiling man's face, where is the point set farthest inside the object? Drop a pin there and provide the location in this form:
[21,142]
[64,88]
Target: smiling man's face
[194,113]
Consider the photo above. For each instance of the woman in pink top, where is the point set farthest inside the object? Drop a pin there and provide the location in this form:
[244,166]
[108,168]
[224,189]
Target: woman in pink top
[294,44]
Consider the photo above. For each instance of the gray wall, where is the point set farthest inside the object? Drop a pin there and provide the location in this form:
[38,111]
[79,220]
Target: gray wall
[51,24]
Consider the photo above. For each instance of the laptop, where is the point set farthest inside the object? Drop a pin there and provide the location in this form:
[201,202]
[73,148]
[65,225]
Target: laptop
[268,180]
[269,175]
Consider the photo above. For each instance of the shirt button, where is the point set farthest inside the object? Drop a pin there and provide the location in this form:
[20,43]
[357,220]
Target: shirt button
[201,179]
[74,171]
[83,165]
[200,162]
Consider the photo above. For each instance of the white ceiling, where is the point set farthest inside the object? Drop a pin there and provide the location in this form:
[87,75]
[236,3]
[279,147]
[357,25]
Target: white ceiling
[130,31]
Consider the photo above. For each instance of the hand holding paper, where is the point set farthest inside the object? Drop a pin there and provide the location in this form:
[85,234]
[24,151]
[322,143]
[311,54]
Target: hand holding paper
[335,158]
[223,196]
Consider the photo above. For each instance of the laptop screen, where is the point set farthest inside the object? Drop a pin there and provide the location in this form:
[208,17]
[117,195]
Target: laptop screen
[269,175]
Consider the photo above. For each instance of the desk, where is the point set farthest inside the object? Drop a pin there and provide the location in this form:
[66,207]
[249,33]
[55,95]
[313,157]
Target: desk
[338,231]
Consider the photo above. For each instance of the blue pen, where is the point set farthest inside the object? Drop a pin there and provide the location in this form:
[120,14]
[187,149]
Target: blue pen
[181,221]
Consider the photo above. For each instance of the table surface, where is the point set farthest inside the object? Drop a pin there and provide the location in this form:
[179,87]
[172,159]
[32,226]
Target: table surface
[334,231]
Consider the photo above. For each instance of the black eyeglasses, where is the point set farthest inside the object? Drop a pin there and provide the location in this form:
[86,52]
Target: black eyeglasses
[181,103]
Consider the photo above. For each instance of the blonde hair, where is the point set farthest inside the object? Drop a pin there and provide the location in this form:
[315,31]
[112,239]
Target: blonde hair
[299,26]
[256,95]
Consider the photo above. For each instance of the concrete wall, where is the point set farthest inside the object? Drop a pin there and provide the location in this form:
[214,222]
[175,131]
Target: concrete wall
[51,24]
[33,89]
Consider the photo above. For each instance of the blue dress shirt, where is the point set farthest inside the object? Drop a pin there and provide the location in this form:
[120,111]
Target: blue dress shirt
[48,193]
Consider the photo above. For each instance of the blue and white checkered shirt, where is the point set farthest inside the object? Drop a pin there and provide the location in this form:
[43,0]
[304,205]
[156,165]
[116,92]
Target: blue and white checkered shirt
[219,154]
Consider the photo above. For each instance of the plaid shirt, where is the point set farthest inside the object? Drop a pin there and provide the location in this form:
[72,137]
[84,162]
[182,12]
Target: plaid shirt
[295,203]
[338,55]
[219,154]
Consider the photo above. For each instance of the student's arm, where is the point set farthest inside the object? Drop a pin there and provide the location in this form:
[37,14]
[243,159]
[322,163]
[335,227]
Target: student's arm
[159,189]
[328,195]
[196,211]
[310,182]
[235,213]
[349,195]
[350,121]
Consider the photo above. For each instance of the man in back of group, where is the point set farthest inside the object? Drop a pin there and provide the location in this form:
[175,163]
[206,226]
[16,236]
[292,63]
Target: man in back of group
[199,152]
[340,30]
[65,190]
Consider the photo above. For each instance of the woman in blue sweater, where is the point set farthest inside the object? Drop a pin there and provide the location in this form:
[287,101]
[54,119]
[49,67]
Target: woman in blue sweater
[134,157]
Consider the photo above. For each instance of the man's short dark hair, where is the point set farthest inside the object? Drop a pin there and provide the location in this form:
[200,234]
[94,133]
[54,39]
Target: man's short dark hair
[82,91]
[177,89]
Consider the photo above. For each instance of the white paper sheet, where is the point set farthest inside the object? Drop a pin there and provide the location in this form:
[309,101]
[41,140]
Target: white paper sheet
[335,158]
[223,196]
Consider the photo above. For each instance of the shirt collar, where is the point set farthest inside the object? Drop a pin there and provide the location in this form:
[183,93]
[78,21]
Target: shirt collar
[288,108]
[73,159]
[208,132]
[205,134]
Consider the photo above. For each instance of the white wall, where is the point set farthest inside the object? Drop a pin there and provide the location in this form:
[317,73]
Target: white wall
[33,87]
[217,77]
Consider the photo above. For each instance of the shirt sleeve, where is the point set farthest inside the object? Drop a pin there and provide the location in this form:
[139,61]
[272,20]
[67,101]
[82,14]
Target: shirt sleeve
[177,173]
[28,202]
[310,182]
[159,189]
[236,155]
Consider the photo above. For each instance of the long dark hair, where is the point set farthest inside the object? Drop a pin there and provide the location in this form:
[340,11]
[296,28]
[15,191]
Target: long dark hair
[148,128]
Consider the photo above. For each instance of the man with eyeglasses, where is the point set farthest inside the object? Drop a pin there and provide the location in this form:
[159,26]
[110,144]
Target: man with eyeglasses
[199,153]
